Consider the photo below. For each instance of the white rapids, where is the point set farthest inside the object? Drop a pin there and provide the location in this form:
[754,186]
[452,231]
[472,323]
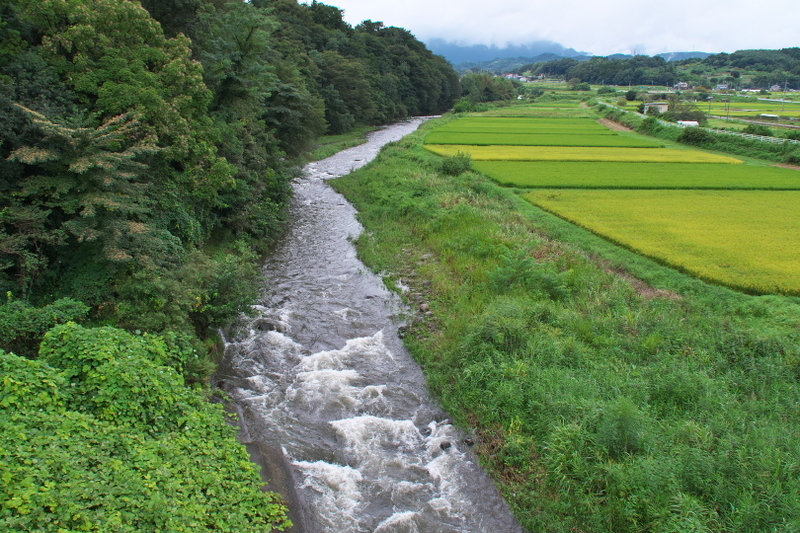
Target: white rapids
[321,380]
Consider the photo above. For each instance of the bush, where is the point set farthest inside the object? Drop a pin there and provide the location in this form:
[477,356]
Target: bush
[696,137]
[66,469]
[793,135]
[622,429]
[630,95]
[583,87]
[793,157]
[22,326]
[519,270]
[606,90]
[457,164]
[758,129]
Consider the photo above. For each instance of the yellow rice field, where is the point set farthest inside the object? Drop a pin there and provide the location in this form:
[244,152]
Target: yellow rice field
[579,153]
[744,239]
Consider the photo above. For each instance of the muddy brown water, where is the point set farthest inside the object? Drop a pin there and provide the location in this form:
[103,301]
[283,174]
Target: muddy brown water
[331,403]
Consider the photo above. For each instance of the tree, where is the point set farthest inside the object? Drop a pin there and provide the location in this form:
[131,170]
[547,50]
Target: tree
[84,184]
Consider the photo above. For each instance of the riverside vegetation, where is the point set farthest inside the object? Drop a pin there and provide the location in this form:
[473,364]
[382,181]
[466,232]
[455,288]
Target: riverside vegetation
[145,164]
[609,393]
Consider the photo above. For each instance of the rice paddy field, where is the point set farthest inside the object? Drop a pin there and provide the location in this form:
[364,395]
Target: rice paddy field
[621,175]
[743,239]
[524,125]
[751,109]
[538,139]
[549,110]
[580,153]
[716,217]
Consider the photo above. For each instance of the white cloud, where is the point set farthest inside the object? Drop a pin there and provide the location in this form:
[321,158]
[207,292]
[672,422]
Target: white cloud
[598,27]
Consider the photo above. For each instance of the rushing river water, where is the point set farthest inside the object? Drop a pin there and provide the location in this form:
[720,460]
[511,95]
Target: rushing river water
[331,403]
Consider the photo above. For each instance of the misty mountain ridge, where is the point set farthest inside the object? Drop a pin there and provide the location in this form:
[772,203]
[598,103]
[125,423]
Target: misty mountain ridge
[458,53]
[510,57]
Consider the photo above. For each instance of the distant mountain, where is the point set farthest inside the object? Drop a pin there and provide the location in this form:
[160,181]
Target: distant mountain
[678,56]
[456,53]
[511,57]
[669,56]
[500,66]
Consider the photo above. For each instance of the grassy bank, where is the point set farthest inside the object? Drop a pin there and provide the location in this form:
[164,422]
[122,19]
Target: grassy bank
[328,145]
[610,393]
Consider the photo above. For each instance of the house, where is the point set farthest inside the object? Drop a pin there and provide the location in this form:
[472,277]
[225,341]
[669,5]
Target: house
[688,123]
[660,107]
[681,86]
[776,88]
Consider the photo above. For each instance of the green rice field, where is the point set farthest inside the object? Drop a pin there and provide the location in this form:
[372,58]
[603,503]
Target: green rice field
[538,139]
[524,125]
[621,175]
[711,215]
[540,110]
[745,239]
[751,109]
[575,153]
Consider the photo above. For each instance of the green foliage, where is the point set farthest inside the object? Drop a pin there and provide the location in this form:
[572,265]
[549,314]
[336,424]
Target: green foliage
[203,292]
[518,270]
[29,385]
[483,87]
[758,129]
[696,137]
[621,429]
[22,326]
[125,461]
[638,70]
[606,90]
[456,165]
[465,105]
[79,351]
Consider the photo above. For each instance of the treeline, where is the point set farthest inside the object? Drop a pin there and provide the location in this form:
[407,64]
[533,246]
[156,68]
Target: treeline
[639,70]
[146,156]
[763,69]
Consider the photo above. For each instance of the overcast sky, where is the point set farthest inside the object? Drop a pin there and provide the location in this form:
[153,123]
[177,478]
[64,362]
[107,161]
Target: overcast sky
[600,28]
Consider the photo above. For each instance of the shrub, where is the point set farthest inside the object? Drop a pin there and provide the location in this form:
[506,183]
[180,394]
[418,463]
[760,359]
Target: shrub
[630,95]
[22,325]
[621,429]
[606,90]
[758,129]
[793,134]
[457,164]
[519,270]
[696,137]
[793,157]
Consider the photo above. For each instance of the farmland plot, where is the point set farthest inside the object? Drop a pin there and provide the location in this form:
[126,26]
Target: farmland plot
[538,139]
[748,240]
[575,153]
[620,175]
[525,125]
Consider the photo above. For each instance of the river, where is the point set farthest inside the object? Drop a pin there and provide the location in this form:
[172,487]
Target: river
[331,403]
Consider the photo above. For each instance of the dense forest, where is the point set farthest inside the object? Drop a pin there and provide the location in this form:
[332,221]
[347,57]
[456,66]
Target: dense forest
[146,159]
[758,69]
[129,149]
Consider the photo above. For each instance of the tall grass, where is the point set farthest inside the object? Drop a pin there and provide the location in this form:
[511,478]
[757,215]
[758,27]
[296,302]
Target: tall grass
[601,403]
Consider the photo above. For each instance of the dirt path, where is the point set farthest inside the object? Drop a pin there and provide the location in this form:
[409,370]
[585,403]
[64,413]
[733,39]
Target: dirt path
[613,125]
